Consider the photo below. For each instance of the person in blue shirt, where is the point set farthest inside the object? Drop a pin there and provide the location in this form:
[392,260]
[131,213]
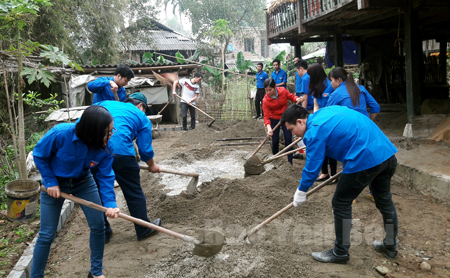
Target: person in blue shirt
[105,88]
[321,89]
[347,93]
[132,123]
[261,76]
[279,74]
[65,157]
[367,155]
[301,68]
[298,80]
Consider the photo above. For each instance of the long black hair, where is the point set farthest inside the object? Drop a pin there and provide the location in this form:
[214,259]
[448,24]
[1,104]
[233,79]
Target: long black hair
[352,89]
[317,79]
[94,126]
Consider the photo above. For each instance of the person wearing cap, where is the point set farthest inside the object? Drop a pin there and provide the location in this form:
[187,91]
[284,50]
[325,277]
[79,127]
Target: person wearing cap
[189,92]
[104,88]
[131,123]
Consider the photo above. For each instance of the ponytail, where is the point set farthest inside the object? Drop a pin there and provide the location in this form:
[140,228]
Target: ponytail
[352,89]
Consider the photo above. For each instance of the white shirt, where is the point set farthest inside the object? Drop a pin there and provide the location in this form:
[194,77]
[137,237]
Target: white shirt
[188,89]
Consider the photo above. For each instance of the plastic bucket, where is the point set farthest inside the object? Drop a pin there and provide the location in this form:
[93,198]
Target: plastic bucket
[23,196]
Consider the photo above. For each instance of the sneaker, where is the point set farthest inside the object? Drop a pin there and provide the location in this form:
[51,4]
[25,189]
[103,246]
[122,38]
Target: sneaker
[260,117]
[379,246]
[297,156]
[328,256]
[152,232]
[255,117]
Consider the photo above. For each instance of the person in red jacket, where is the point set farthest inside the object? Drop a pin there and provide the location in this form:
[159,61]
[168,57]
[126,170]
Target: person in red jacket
[275,102]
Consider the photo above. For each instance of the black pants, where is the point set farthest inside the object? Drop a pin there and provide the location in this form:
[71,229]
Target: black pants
[184,110]
[276,138]
[127,172]
[260,93]
[333,166]
[349,187]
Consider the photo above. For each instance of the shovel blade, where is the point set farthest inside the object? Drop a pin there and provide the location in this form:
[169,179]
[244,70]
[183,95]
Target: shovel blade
[211,243]
[192,186]
[211,123]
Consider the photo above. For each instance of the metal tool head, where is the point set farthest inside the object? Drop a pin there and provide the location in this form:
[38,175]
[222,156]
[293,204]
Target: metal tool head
[211,243]
[192,186]
[254,166]
[211,123]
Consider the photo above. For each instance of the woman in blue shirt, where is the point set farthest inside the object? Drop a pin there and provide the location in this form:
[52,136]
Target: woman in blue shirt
[355,97]
[64,157]
[320,89]
[347,93]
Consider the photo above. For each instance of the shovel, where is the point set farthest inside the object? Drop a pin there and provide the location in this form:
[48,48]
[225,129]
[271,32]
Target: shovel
[210,243]
[264,141]
[159,113]
[192,186]
[210,123]
[286,208]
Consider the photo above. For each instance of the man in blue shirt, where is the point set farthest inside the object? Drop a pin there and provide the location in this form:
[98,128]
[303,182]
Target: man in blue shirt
[367,156]
[131,123]
[106,88]
[278,74]
[261,76]
[301,68]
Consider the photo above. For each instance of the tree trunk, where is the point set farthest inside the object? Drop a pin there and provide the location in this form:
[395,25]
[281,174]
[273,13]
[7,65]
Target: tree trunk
[22,161]
[223,69]
[11,118]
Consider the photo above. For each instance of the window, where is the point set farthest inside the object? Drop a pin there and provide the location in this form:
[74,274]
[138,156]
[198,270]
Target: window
[249,45]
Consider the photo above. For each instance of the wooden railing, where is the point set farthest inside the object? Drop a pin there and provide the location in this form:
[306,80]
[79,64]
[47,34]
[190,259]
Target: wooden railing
[285,15]
[282,17]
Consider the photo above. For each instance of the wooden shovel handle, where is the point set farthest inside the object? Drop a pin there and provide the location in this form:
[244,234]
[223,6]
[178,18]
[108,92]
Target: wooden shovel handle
[265,140]
[281,155]
[126,217]
[290,146]
[286,208]
[194,175]
[195,107]
[170,100]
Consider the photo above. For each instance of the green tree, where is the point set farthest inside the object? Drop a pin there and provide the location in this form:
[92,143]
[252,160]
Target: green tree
[220,34]
[241,14]
[16,15]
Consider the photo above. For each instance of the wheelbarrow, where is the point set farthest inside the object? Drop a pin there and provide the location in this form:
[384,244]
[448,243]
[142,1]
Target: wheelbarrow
[155,119]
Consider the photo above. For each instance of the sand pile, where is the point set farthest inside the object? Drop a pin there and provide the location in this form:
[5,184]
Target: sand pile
[235,129]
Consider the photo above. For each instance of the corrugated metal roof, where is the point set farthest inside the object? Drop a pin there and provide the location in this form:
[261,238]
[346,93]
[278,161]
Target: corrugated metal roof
[165,40]
[137,65]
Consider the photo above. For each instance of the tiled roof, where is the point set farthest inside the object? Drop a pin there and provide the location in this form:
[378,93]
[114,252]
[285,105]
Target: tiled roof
[165,40]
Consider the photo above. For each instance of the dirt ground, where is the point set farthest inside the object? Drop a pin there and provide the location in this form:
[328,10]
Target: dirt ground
[282,249]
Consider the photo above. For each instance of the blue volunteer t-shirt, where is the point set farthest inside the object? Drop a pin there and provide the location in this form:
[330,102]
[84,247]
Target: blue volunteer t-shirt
[298,84]
[101,89]
[260,78]
[322,102]
[280,77]
[345,135]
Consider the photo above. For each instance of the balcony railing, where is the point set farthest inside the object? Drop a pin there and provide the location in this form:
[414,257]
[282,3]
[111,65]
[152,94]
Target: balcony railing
[283,15]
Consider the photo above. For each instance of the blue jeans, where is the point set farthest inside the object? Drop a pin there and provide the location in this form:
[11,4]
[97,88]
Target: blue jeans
[84,188]
[349,187]
[276,138]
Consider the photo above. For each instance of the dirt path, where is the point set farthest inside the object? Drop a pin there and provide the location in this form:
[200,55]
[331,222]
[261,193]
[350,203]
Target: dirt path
[281,250]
